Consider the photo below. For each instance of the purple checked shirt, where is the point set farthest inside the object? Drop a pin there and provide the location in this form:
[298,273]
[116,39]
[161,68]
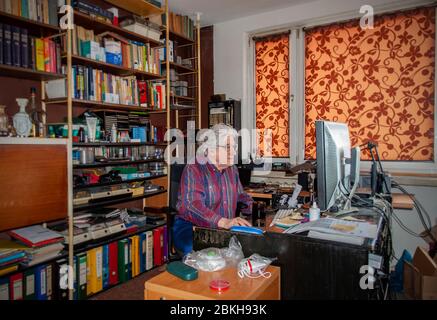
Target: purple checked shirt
[207,194]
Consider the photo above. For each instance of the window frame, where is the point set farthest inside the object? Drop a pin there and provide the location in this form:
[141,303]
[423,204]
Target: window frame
[297,93]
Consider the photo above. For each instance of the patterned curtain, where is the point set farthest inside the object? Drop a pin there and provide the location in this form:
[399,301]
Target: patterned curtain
[380,81]
[272,94]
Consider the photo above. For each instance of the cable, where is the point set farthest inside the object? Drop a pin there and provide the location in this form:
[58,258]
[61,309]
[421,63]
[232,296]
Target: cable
[420,211]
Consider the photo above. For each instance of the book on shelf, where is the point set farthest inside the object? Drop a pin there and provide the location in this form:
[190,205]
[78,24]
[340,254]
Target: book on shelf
[152,95]
[182,25]
[94,11]
[111,48]
[36,236]
[43,11]
[23,50]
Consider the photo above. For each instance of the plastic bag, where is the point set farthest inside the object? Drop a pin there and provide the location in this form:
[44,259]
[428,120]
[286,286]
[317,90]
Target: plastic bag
[210,259]
[233,254]
[214,259]
[254,267]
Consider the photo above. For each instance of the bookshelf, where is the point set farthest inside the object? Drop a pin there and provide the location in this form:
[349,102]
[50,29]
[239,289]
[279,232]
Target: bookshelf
[178,109]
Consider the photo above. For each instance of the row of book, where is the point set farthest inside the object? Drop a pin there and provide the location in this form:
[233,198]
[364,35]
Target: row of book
[19,49]
[44,11]
[94,270]
[152,94]
[103,47]
[95,85]
[181,24]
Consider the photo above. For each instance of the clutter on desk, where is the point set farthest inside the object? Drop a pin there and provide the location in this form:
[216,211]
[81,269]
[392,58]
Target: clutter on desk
[215,259]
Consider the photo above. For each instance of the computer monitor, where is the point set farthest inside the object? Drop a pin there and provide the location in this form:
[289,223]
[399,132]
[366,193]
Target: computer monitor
[335,161]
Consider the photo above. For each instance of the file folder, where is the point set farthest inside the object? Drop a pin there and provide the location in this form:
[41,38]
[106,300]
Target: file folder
[113,263]
[29,285]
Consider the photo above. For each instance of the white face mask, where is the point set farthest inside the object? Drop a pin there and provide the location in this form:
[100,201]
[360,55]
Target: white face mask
[254,267]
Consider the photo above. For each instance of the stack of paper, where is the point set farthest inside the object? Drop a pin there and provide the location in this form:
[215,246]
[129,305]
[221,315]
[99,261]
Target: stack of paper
[353,232]
[11,254]
[42,244]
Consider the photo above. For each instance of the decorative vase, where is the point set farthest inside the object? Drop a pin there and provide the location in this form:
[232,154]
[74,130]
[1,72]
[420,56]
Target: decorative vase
[22,123]
[4,122]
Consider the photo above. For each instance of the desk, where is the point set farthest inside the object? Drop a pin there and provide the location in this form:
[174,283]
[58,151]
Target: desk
[169,287]
[310,268]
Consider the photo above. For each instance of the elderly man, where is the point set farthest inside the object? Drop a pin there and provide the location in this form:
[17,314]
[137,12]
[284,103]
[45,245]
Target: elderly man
[210,190]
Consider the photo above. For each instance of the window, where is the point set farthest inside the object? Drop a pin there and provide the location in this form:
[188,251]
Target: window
[380,81]
[272,93]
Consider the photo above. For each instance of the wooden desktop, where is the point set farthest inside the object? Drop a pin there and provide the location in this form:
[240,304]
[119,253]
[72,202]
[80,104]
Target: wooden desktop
[166,286]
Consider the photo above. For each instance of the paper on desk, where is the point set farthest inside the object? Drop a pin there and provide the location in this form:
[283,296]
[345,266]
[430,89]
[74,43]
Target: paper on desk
[337,226]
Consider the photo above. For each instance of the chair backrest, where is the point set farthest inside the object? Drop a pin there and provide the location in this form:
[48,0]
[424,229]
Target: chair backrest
[176,171]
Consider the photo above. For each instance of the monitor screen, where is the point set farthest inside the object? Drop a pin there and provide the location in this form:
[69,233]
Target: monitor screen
[333,165]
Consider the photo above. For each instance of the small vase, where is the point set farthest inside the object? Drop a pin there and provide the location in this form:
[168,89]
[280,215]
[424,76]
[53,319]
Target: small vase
[22,123]
[4,122]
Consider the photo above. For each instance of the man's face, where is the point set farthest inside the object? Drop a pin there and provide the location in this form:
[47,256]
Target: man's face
[226,151]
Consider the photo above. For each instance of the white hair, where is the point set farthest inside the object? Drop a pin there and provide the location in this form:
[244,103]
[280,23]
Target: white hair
[218,134]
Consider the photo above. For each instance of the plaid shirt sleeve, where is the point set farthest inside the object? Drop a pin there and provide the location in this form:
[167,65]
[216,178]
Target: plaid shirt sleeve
[243,197]
[191,203]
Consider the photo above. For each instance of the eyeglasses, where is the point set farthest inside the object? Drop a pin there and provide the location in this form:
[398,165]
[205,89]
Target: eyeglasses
[228,147]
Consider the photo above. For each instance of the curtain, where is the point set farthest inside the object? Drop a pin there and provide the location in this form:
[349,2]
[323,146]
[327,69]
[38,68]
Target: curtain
[272,94]
[380,81]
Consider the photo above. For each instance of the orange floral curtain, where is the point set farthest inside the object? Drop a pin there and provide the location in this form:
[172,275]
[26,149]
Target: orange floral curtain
[272,94]
[380,81]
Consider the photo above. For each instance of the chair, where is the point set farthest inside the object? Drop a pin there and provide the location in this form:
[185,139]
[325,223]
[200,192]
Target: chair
[176,171]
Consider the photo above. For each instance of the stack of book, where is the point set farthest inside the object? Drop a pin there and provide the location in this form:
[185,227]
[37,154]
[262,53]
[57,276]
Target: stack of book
[22,50]
[11,254]
[94,11]
[43,244]
[44,11]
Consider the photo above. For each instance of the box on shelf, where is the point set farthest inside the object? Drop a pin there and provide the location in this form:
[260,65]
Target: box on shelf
[420,276]
[56,89]
[142,27]
[92,50]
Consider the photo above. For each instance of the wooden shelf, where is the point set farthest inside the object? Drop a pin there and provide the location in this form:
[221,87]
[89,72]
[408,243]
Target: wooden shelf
[114,164]
[115,69]
[28,74]
[115,201]
[180,38]
[119,144]
[178,67]
[95,185]
[102,106]
[180,108]
[89,22]
[139,7]
[182,98]
[34,27]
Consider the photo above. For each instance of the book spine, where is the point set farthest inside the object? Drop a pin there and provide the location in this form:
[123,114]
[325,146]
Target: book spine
[16,46]
[52,56]
[39,47]
[1,42]
[32,53]
[24,48]
[46,55]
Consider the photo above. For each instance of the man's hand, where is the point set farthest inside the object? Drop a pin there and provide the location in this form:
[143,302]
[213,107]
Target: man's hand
[228,223]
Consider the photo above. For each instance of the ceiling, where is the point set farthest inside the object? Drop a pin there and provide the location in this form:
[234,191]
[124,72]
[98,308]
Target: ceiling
[216,11]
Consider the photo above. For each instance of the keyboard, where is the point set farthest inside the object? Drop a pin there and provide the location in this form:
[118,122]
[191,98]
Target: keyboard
[282,213]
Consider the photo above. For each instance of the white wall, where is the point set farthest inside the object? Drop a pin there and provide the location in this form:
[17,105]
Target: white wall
[230,70]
